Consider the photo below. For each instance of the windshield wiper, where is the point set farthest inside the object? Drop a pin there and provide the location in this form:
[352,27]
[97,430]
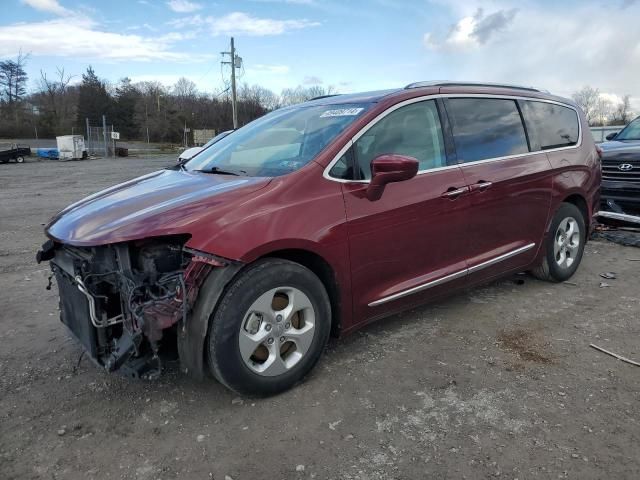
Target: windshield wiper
[219,171]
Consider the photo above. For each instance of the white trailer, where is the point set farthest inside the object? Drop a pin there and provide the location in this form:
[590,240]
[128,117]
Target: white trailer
[71,147]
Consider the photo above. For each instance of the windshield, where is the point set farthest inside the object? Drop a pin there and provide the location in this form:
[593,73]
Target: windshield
[216,139]
[278,143]
[630,132]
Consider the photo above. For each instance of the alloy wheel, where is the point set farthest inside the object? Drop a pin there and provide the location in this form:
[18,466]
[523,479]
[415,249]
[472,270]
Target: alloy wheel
[277,331]
[566,245]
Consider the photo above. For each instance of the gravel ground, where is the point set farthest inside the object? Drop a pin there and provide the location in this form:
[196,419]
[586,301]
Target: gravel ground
[497,381]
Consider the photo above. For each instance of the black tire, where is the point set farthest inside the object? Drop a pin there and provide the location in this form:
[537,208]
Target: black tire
[551,269]
[230,316]
[19,159]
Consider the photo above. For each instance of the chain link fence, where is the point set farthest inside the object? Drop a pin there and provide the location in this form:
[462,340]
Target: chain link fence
[99,142]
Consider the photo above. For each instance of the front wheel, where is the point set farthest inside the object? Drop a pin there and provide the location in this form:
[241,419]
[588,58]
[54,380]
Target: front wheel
[20,159]
[564,245]
[269,329]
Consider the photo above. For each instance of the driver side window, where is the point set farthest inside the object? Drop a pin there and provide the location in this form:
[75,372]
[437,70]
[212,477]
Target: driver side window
[413,130]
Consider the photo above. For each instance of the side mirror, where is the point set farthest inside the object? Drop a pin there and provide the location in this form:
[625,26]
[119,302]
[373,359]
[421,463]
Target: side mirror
[611,136]
[390,168]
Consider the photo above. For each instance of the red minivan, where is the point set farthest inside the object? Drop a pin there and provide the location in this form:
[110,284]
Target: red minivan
[319,218]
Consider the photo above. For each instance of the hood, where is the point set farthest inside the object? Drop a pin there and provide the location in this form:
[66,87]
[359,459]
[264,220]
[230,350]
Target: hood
[166,202]
[618,144]
[628,151]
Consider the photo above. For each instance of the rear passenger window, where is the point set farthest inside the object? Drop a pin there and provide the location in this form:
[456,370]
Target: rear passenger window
[486,128]
[550,125]
[412,130]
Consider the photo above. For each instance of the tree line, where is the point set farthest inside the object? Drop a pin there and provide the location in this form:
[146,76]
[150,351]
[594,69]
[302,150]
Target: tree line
[600,110]
[61,103]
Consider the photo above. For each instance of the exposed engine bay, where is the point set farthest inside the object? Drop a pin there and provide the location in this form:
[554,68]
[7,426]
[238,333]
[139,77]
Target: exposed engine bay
[119,300]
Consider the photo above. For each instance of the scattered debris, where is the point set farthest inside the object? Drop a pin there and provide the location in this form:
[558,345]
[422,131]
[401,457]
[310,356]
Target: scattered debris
[573,284]
[299,468]
[604,285]
[619,357]
[237,401]
[61,432]
[609,275]
[200,438]
[333,425]
[626,238]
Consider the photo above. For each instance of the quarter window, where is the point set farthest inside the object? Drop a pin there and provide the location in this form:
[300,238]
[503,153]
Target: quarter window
[413,130]
[486,128]
[550,125]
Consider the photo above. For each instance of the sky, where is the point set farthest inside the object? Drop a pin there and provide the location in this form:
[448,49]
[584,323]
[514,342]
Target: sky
[353,45]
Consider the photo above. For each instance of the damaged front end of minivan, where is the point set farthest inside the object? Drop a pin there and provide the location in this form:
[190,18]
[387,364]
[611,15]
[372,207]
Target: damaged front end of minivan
[120,300]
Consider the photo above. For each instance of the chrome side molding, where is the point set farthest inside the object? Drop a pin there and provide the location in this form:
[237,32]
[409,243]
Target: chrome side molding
[452,276]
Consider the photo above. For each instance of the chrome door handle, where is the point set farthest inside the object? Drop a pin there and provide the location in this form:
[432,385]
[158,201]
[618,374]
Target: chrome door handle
[481,186]
[454,193]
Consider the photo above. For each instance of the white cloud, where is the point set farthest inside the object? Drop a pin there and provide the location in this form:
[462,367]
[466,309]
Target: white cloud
[49,6]
[471,31]
[543,46]
[183,6]
[82,38]
[239,23]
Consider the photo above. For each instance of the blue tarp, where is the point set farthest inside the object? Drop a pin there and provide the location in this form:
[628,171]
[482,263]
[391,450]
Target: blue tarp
[51,153]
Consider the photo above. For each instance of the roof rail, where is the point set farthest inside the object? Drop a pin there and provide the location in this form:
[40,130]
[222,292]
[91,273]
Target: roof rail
[323,96]
[448,83]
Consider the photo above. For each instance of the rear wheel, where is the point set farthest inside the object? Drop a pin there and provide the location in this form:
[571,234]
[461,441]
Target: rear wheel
[564,245]
[269,329]
[20,159]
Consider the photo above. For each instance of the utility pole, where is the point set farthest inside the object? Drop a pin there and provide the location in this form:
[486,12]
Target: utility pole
[234,64]
[86,121]
[104,136]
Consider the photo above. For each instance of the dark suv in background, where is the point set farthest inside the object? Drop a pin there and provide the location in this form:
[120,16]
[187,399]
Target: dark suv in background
[621,170]
[319,218]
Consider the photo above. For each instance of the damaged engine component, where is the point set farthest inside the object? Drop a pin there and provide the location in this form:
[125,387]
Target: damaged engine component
[131,293]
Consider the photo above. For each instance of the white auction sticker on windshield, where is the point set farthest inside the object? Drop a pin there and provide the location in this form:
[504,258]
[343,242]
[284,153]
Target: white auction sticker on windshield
[342,112]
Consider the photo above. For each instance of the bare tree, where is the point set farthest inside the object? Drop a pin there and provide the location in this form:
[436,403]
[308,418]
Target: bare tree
[603,111]
[185,88]
[58,106]
[259,96]
[622,113]
[291,96]
[587,98]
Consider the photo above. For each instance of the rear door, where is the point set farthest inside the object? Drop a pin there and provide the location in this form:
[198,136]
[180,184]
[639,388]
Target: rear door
[510,187]
[411,244]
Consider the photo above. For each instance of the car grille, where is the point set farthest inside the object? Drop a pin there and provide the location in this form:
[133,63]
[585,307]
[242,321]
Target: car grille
[611,171]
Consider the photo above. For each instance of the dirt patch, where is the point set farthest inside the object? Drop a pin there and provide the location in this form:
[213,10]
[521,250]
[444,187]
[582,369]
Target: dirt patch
[523,343]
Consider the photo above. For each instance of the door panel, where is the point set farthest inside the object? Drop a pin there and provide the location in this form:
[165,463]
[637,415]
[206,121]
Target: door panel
[510,214]
[410,237]
[510,188]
